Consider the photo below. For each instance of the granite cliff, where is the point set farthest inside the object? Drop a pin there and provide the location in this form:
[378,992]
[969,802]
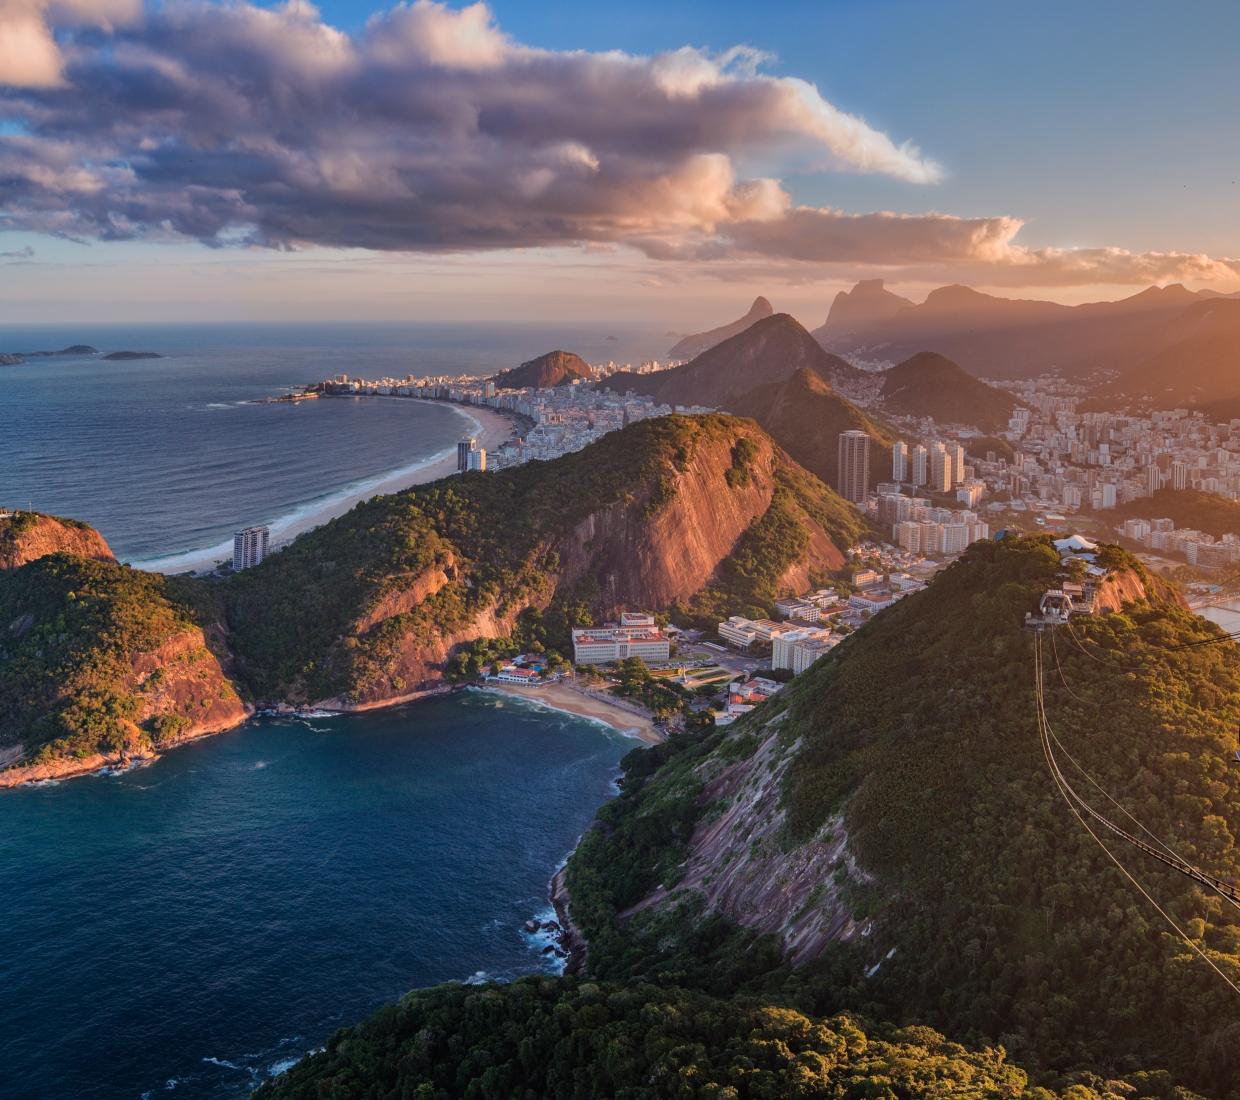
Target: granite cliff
[27,536]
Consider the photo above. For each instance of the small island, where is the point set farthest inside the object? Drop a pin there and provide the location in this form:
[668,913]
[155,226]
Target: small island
[118,356]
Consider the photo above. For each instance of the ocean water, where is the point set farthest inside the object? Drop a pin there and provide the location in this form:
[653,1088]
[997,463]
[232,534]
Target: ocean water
[189,928]
[168,457]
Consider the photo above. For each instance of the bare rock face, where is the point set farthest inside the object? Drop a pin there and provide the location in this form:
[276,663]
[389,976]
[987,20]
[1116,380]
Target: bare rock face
[1126,585]
[30,535]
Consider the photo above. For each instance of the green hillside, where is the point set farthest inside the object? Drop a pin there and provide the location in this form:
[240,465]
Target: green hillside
[929,384]
[556,368]
[805,416]
[1215,515]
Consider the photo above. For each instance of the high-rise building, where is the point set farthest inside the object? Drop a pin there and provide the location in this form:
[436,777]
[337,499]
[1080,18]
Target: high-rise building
[956,453]
[464,447]
[250,547]
[1108,495]
[476,460]
[489,390]
[854,470]
[921,473]
[899,462]
[1153,480]
[940,469]
[1179,475]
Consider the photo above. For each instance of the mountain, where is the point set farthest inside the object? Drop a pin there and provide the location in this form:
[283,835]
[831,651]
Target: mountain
[805,416]
[695,345]
[406,592]
[856,309]
[30,535]
[556,368]
[1209,512]
[772,350]
[992,337]
[1192,360]
[876,861]
[930,385]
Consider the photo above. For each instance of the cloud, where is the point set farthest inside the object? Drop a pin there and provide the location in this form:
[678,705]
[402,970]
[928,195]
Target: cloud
[433,131]
[26,253]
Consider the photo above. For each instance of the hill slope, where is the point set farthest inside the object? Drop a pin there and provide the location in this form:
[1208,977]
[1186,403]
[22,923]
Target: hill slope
[771,350]
[930,385]
[31,535]
[702,341]
[855,310]
[805,416]
[1208,512]
[556,368]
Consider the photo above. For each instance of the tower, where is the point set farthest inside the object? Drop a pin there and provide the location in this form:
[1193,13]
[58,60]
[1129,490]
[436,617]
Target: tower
[854,466]
[463,447]
[899,462]
[921,472]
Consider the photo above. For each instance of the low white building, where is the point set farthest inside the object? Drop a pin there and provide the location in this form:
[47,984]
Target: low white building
[636,635]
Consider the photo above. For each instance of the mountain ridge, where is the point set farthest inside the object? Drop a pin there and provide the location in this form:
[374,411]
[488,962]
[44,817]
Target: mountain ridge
[697,343]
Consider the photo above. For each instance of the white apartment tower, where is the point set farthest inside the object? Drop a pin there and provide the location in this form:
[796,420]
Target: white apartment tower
[899,462]
[854,469]
[956,453]
[250,547]
[476,460]
[940,469]
[464,448]
[921,473]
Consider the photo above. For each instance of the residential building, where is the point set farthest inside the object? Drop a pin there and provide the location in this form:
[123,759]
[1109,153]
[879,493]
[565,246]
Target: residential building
[940,469]
[863,578]
[854,466]
[476,460]
[955,453]
[1108,495]
[899,462]
[921,463]
[807,652]
[464,447]
[250,547]
[1179,475]
[794,607]
[782,645]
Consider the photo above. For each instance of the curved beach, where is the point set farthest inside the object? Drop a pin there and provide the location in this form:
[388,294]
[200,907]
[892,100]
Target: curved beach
[489,427]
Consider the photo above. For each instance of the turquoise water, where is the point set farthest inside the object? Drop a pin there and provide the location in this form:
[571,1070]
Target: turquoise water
[188,928]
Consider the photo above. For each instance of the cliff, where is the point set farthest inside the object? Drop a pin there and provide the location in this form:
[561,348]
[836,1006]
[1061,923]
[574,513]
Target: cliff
[30,535]
[100,665]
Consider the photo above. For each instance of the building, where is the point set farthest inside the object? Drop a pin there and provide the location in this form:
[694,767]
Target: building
[476,460]
[636,635]
[807,652]
[1108,495]
[899,462]
[907,536]
[743,632]
[863,578]
[515,675]
[921,463]
[464,447]
[250,546]
[955,452]
[1179,475]
[794,607]
[854,468]
[940,469]
[783,647]
[1153,479]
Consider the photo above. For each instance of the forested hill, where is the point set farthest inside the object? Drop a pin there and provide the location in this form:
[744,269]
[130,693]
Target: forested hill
[787,908]
[1209,512]
[930,385]
[394,598]
[805,416]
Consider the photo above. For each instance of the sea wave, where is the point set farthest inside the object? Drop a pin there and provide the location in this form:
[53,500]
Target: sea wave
[301,513]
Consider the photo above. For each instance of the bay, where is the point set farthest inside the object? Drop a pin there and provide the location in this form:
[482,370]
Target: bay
[188,928]
[171,456]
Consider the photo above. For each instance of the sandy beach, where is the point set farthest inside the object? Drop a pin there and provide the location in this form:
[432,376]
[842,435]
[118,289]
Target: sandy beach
[563,697]
[489,428]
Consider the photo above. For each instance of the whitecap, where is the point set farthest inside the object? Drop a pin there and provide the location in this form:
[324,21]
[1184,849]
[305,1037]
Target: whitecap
[282,1066]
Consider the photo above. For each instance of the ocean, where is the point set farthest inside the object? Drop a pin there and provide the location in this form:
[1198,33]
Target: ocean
[189,928]
[168,457]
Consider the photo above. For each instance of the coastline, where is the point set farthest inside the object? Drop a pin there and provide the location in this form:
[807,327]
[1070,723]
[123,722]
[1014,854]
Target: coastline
[490,428]
[564,698]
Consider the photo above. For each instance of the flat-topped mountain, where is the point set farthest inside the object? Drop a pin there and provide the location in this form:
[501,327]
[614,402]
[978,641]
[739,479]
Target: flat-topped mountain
[932,385]
[556,368]
[702,341]
[772,350]
[805,416]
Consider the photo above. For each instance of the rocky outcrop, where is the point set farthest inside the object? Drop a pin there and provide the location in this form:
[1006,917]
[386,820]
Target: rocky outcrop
[1126,585]
[556,368]
[741,869]
[30,535]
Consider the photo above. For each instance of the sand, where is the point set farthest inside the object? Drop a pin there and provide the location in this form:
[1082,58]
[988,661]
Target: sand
[492,429]
[563,697]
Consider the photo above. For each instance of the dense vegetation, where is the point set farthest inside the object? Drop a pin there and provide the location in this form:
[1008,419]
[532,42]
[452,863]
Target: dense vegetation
[932,385]
[1208,512]
[1008,922]
[805,416]
[68,626]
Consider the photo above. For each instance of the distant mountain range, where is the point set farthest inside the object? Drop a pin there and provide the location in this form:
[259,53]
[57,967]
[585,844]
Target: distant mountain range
[994,337]
[703,341]
[556,368]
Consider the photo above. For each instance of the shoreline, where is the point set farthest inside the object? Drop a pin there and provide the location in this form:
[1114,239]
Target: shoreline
[490,428]
[562,697]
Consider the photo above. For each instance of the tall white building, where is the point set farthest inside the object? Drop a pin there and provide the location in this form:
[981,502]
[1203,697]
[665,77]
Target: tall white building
[854,468]
[476,460]
[921,472]
[250,546]
[899,462]
[465,446]
[956,453]
[940,469]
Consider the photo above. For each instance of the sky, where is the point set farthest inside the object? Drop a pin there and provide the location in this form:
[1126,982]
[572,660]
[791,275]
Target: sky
[644,162]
